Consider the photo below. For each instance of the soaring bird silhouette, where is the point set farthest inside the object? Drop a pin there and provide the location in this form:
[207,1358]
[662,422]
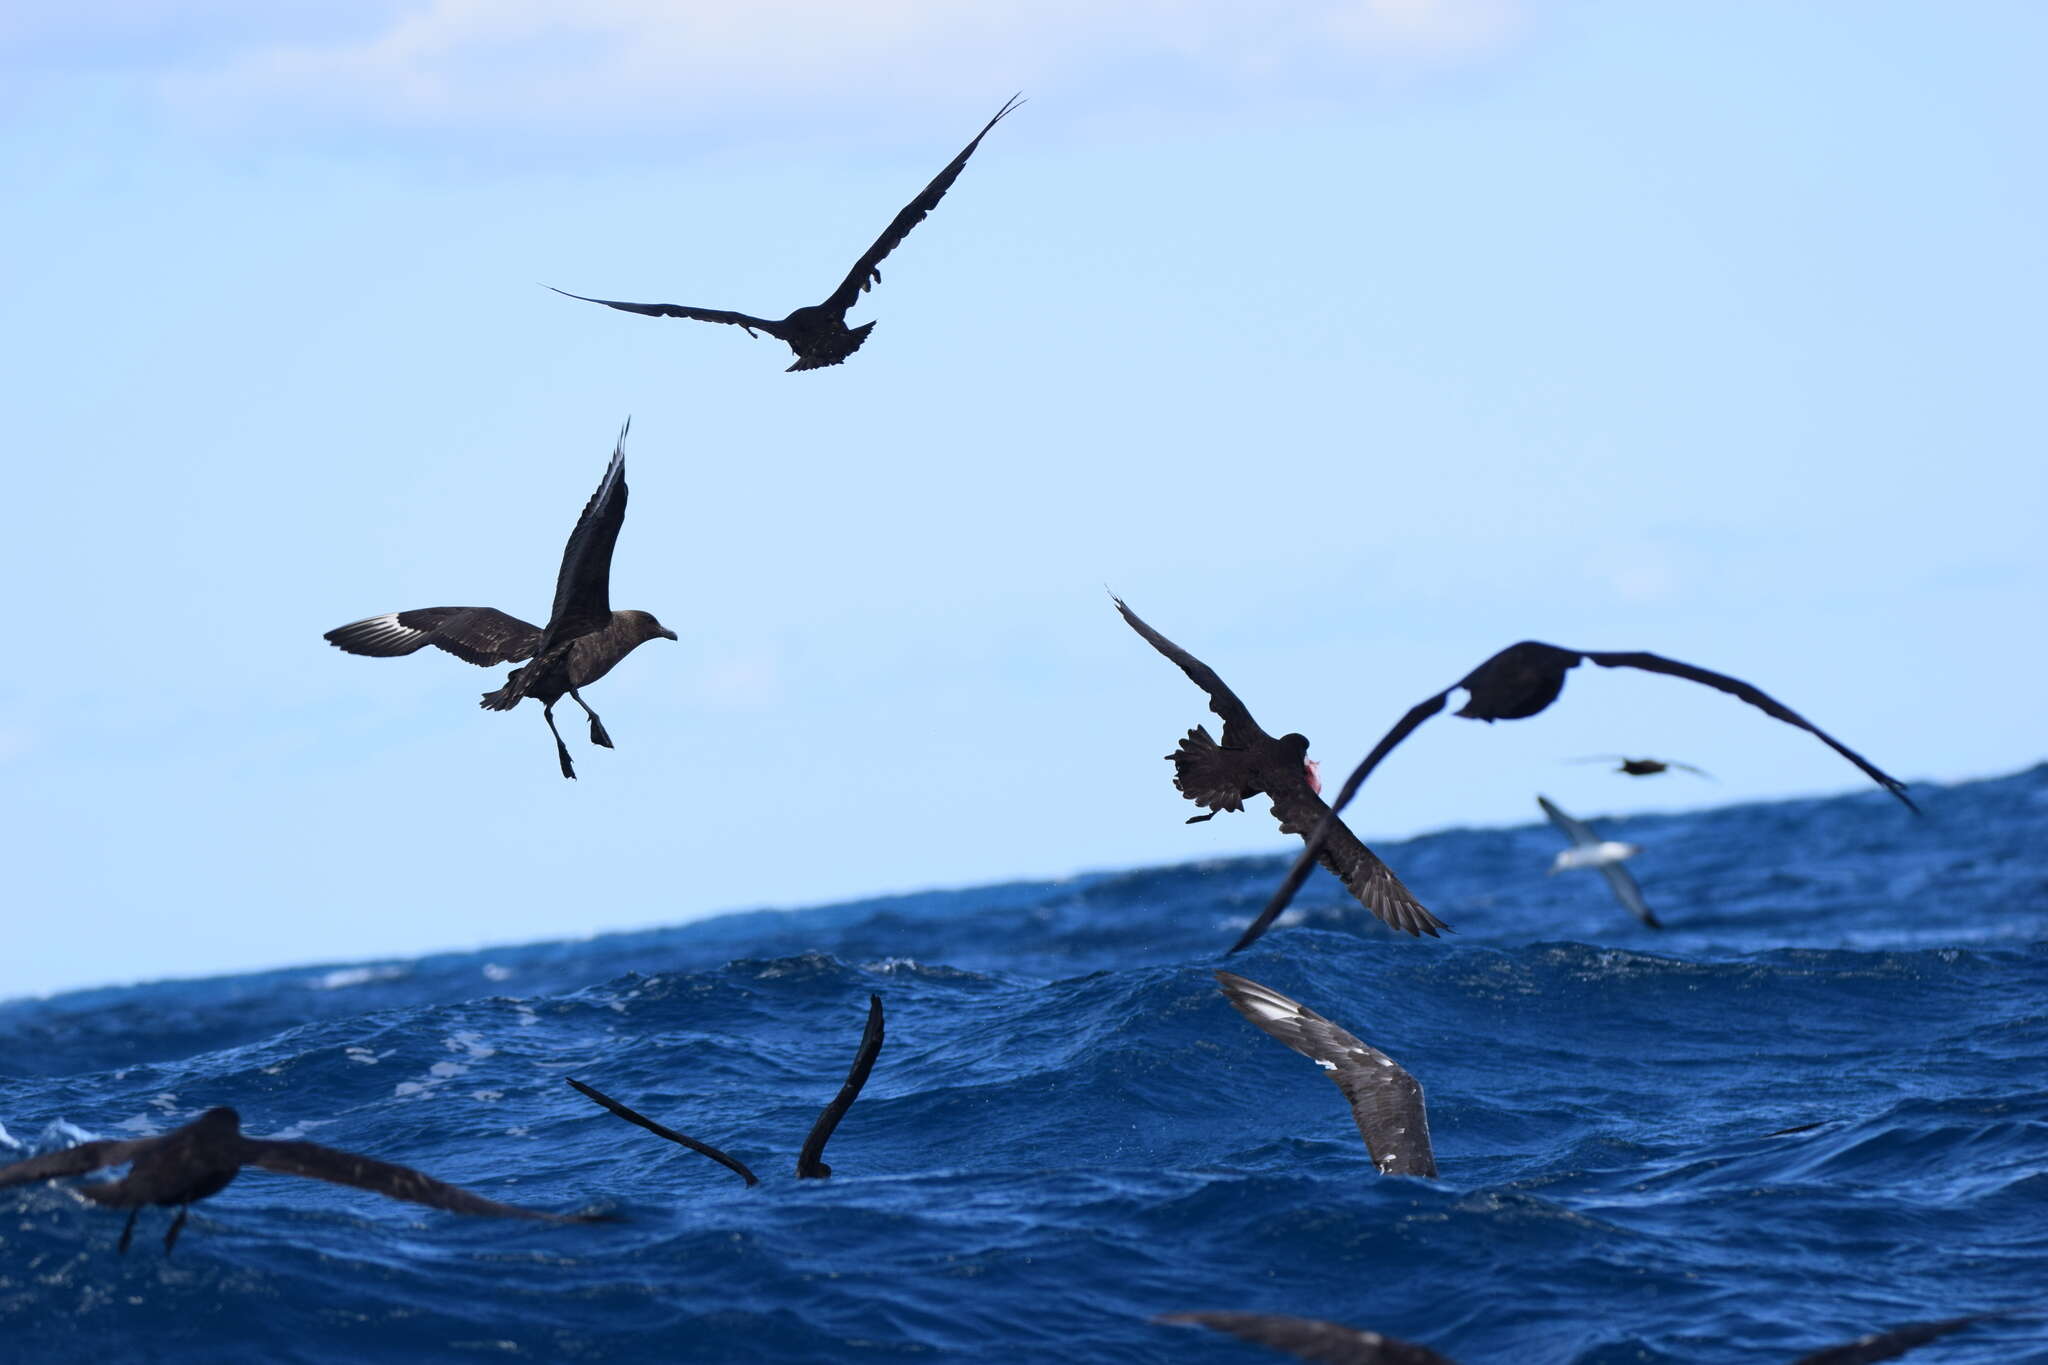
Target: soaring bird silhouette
[819,334]
[1522,680]
[1385,1100]
[810,1161]
[1332,1343]
[584,638]
[1590,850]
[1645,767]
[203,1157]
[1249,762]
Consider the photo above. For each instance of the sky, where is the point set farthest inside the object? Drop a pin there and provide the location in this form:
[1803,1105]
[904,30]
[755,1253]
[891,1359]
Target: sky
[1348,340]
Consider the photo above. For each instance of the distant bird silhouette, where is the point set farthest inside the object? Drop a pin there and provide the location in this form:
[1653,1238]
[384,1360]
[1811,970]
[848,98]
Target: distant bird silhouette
[1249,763]
[1645,767]
[819,334]
[1590,850]
[1522,680]
[1385,1100]
[810,1163]
[203,1157]
[1332,1343]
[584,638]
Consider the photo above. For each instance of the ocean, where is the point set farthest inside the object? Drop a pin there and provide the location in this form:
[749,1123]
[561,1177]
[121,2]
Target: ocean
[1069,1131]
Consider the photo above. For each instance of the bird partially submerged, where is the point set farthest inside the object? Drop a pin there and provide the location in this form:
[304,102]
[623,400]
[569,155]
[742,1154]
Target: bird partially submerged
[1249,762]
[202,1158]
[818,334]
[583,640]
[1522,680]
[1590,850]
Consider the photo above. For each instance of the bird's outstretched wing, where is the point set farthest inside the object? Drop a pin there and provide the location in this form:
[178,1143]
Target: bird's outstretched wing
[1299,811]
[1385,1100]
[483,636]
[682,310]
[809,1162]
[583,601]
[1328,1343]
[1878,1346]
[866,271]
[1239,729]
[732,1164]
[1623,884]
[1578,831]
[86,1156]
[312,1160]
[1770,706]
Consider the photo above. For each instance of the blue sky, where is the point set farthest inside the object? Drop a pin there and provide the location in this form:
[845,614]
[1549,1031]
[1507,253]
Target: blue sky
[1348,342]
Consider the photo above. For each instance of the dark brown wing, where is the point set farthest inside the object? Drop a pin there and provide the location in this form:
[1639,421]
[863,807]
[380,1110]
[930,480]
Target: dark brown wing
[1887,1345]
[682,310]
[866,271]
[1300,811]
[312,1160]
[1386,1102]
[1735,687]
[1239,729]
[809,1163]
[483,636]
[1313,843]
[86,1156]
[732,1164]
[583,587]
[1330,1343]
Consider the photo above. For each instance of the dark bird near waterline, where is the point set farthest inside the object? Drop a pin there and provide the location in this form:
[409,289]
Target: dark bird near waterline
[809,1163]
[1385,1100]
[1522,680]
[584,638]
[1590,850]
[203,1157]
[1332,1343]
[819,334]
[1249,762]
[1645,767]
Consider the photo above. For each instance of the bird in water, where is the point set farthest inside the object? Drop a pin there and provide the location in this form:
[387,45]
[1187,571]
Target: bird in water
[818,334]
[1590,850]
[1386,1102]
[1521,681]
[202,1158]
[583,640]
[810,1163]
[1249,762]
[1645,767]
[1332,1343]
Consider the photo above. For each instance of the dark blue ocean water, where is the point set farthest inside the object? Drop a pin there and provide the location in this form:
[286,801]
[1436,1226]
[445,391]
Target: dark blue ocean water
[1069,1130]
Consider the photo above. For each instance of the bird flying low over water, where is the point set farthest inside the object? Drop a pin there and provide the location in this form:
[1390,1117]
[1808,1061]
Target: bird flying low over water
[1332,1343]
[1522,680]
[1385,1100]
[1590,850]
[819,334]
[810,1162]
[1645,767]
[203,1157]
[1249,762]
[583,640]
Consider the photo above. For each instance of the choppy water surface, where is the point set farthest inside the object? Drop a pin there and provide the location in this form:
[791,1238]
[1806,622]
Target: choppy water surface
[1070,1131]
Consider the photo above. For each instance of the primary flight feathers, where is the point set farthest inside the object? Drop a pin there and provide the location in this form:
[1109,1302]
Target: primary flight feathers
[818,334]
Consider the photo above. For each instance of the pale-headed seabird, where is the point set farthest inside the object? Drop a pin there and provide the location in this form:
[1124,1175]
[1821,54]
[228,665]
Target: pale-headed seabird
[1332,1343]
[1385,1100]
[1522,680]
[810,1162]
[819,334]
[1250,762]
[1590,850]
[203,1157]
[584,638]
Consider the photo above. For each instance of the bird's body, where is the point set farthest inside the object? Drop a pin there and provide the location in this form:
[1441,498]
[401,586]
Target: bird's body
[1249,762]
[817,333]
[583,640]
[1606,853]
[1605,856]
[202,1158]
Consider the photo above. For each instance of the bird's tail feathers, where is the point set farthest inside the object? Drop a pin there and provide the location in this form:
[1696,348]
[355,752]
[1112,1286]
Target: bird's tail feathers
[508,696]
